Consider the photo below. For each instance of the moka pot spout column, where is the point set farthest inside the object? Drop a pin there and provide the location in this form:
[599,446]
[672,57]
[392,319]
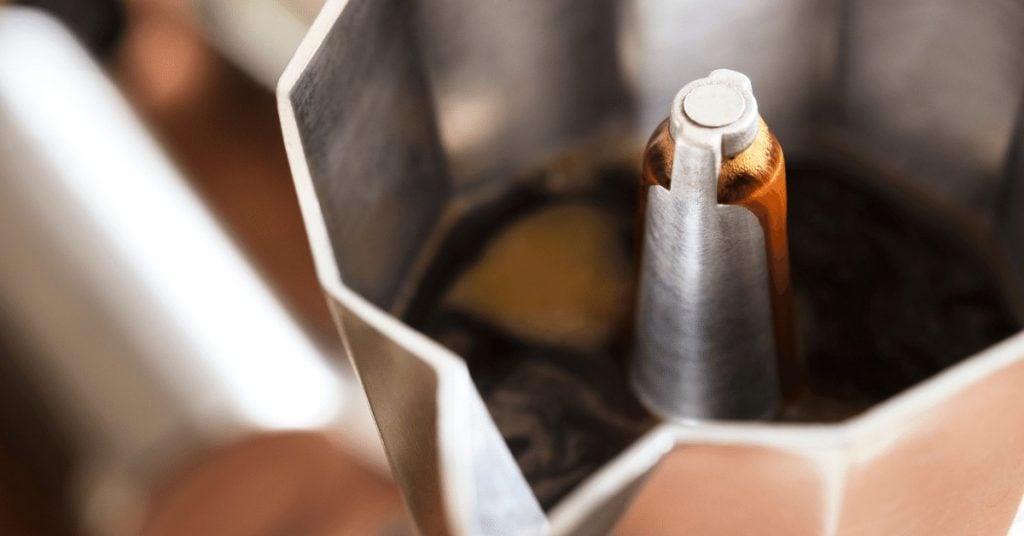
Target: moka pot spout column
[714,323]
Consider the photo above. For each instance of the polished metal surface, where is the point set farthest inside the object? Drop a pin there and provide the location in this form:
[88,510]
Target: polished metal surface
[446,453]
[146,333]
[380,109]
[393,110]
[704,345]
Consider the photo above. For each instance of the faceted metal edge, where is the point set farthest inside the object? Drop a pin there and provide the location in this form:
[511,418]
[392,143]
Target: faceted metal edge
[833,448]
[474,465]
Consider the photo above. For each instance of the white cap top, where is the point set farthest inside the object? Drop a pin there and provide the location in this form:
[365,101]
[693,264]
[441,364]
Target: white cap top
[723,105]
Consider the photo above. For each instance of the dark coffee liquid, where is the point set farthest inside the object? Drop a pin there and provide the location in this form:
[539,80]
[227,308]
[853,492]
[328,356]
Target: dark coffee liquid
[888,293]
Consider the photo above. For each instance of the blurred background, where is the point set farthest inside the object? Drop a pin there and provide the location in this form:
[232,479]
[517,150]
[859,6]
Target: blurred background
[213,112]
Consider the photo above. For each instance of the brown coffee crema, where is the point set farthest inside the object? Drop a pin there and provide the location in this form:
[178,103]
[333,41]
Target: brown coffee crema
[756,180]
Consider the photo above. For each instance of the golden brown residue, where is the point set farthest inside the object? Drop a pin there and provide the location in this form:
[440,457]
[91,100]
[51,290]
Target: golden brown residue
[756,180]
[749,170]
[552,278]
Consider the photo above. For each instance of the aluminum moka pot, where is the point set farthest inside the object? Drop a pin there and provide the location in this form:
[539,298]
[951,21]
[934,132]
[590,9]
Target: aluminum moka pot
[396,114]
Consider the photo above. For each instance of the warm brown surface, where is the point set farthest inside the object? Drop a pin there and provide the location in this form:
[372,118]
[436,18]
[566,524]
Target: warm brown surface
[729,490]
[29,503]
[284,484]
[955,468]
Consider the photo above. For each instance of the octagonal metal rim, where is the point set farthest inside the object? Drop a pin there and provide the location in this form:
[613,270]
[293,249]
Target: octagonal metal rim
[452,372]
[861,436]
[834,446]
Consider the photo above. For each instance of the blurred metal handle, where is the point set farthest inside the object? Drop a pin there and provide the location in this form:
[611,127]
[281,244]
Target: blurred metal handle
[260,36]
[151,335]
